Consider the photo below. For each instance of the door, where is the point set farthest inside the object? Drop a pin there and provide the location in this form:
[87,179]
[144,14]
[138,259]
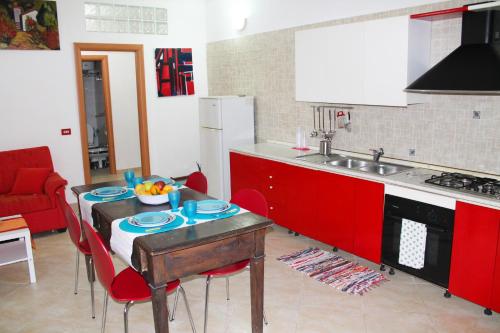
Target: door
[495,295]
[335,210]
[369,217]
[210,113]
[211,160]
[100,136]
[475,245]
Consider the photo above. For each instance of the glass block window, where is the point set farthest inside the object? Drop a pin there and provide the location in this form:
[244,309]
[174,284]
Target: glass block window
[106,17]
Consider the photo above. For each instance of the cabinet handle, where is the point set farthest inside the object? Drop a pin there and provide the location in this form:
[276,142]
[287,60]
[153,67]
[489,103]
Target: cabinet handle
[270,187]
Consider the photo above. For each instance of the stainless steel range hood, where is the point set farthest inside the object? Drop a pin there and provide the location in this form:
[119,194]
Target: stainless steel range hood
[474,67]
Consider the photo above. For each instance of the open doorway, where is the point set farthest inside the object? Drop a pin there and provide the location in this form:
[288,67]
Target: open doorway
[113,121]
[98,112]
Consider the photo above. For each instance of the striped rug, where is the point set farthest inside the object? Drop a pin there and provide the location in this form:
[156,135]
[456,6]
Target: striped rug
[334,270]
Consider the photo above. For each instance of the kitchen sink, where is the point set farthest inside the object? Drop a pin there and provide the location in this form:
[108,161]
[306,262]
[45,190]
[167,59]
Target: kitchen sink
[384,169]
[350,163]
[358,164]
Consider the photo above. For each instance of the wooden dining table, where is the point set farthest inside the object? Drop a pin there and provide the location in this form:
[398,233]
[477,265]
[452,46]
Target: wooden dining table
[167,256]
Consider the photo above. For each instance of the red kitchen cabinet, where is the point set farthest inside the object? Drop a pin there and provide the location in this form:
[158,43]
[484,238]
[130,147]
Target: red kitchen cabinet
[245,172]
[495,295]
[474,253]
[335,210]
[338,210]
[369,219]
[273,179]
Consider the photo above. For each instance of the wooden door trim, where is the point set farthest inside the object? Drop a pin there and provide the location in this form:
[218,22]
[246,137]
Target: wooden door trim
[138,50]
[103,59]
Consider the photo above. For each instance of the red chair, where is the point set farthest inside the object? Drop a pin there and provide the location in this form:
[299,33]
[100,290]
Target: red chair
[255,202]
[127,286]
[197,181]
[75,233]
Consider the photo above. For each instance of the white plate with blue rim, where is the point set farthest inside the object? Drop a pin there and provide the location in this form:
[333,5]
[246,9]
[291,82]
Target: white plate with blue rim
[212,206]
[109,191]
[151,219]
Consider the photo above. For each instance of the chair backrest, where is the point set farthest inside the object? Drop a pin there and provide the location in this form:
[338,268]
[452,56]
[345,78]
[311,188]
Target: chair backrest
[12,160]
[74,229]
[251,200]
[197,181]
[103,263]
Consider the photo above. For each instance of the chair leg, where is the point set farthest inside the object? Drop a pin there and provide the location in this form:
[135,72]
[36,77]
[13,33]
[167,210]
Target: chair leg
[206,304]
[104,310]
[227,288]
[125,314]
[187,307]
[76,271]
[92,299]
[172,315]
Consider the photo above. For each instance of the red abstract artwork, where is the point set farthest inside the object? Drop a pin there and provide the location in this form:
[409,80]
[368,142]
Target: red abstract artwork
[174,72]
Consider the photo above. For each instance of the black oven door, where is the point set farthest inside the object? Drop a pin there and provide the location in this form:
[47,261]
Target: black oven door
[439,224]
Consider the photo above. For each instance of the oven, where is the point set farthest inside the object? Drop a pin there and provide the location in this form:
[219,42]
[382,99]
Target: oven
[418,233]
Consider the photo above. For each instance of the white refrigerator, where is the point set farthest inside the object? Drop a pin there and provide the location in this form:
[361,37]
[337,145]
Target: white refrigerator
[225,122]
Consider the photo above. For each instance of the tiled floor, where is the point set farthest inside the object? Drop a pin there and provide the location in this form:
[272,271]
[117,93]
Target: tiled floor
[103,175]
[294,303]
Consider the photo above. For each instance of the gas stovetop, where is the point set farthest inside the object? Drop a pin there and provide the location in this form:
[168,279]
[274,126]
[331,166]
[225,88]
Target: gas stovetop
[487,187]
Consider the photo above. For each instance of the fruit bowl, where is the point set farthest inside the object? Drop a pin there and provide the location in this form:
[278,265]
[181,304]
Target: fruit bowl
[152,199]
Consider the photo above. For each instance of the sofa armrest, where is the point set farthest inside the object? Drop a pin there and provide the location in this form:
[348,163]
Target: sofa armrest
[53,183]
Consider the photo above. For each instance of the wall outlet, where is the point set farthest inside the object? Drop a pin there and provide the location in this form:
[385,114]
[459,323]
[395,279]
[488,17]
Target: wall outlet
[476,114]
[412,152]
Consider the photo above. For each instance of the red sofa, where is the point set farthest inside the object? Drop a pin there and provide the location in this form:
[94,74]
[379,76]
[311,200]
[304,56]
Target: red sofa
[40,210]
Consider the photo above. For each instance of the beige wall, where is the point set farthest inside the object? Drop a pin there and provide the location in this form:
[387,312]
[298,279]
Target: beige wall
[442,131]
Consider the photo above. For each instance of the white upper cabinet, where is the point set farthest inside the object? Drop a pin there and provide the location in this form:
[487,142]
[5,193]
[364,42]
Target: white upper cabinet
[368,63]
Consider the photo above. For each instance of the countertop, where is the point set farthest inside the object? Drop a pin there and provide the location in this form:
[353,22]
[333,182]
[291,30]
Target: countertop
[412,179]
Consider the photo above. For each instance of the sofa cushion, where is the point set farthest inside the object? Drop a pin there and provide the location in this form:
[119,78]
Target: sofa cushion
[13,160]
[30,181]
[23,203]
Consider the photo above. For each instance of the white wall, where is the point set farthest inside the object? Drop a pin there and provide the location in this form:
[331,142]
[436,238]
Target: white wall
[269,15]
[38,92]
[124,108]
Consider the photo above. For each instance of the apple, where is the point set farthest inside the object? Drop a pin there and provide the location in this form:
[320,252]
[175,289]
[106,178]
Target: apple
[160,184]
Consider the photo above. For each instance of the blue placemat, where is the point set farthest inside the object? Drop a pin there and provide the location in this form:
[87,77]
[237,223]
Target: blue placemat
[126,195]
[233,210]
[125,226]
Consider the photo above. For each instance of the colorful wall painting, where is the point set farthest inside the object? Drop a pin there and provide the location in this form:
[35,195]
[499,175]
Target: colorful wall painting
[174,72]
[29,25]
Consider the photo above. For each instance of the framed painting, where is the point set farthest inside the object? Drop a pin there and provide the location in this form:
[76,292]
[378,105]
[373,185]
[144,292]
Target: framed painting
[174,72]
[29,25]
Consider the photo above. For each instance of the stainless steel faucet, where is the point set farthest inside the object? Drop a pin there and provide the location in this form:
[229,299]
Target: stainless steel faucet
[377,153]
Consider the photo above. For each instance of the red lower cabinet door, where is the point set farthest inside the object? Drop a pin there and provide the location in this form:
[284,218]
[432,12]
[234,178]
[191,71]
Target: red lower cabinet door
[335,210]
[495,295]
[475,245]
[301,202]
[369,216]
[245,172]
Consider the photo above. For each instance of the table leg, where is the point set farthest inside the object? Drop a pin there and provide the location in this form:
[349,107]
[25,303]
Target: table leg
[29,257]
[160,309]
[257,293]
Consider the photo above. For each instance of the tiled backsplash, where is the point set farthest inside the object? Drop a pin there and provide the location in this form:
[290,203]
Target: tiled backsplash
[442,131]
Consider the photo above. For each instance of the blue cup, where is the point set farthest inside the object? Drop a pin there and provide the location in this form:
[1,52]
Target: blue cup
[129,177]
[138,181]
[174,197]
[190,207]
